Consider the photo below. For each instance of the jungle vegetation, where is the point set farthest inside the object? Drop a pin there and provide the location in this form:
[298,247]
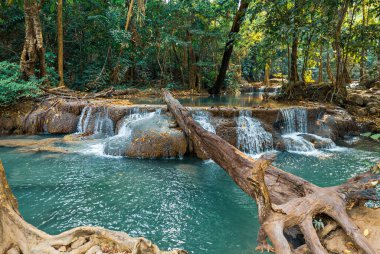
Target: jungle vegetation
[209,45]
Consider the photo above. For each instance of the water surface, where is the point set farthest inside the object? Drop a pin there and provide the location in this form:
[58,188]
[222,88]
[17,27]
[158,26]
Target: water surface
[185,203]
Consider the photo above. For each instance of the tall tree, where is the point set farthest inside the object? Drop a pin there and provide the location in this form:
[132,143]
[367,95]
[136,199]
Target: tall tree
[33,51]
[363,73]
[339,88]
[239,17]
[294,56]
[60,43]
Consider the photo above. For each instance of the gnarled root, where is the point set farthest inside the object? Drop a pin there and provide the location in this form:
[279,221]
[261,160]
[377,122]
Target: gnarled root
[19,237]
[284,201]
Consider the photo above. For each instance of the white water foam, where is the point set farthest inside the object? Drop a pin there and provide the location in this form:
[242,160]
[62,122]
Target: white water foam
[204,120]
[84,119]
[296,137]
[252,138]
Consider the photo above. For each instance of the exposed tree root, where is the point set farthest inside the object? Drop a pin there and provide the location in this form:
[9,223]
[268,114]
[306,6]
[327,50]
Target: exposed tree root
[285,201]
[19,237]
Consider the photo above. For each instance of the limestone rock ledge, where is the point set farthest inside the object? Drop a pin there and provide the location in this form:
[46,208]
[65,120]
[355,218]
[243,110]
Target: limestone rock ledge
[19,237]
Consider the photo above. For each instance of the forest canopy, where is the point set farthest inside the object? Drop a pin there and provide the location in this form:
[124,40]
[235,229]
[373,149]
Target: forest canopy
[92,45]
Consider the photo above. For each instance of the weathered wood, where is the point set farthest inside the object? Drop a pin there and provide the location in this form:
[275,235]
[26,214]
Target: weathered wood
[284,200]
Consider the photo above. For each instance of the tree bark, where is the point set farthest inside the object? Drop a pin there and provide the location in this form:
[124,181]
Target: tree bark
[239,17]
[320,67]
[267,73]
[33,51]
[193,77]
[328,68]
[294,56]
[339,88]
[289,63]
[284,200]
[129,15]
[60,43]
[363,72]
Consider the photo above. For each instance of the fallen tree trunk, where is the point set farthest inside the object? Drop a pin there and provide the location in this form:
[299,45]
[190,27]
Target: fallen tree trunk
[19,237]
[285,201]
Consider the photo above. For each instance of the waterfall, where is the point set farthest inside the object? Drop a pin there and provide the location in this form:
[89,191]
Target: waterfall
[295,120]
[125,127]
[295,135]
[252,138]
[84,119]
[204,120]
[116,145]
[103,124]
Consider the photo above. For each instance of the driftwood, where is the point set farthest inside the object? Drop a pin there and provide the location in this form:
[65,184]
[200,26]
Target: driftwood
[19,237]
[285,201]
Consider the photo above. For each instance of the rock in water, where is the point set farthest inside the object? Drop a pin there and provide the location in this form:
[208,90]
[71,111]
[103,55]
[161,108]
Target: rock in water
[147,135]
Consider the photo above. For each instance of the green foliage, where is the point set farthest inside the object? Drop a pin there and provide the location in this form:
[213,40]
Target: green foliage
[13,88]
[155,51]
[375,136]
[318,224]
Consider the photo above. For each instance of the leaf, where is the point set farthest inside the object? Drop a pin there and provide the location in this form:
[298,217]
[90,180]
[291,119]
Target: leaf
[367,134]
[376,136]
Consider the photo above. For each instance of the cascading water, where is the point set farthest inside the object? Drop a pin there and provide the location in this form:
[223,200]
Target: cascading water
[117,144]
[204,119]
[295,135]
[295,120]
[103,124]
[84,119]
[252,138]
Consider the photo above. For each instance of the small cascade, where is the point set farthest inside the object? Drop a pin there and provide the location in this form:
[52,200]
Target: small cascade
[84,119]
[125,127]
[295,135]
[295,120]
[116,145]
[204,120]
[103,124]
[252,138]
[296,143]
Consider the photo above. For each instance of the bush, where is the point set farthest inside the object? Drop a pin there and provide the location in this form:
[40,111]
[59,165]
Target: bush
[13,88]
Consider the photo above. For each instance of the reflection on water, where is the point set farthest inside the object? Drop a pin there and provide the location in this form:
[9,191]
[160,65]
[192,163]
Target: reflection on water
[242,100]
[185,203]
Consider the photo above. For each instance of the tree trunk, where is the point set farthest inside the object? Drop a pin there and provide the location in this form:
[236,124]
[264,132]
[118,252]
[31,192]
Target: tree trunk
[267,73]
[284,200]
[129,15]
[60,43]
[33,51]
[346,75]
[289,63]
[306,57]
[239,17]
[294,56]
[363,72]
[339,88]
[193,80]
[378,65]
[328,68]
[320,67]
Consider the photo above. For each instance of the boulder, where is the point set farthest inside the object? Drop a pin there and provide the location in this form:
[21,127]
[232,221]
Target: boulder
[61,122]
[148,137]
